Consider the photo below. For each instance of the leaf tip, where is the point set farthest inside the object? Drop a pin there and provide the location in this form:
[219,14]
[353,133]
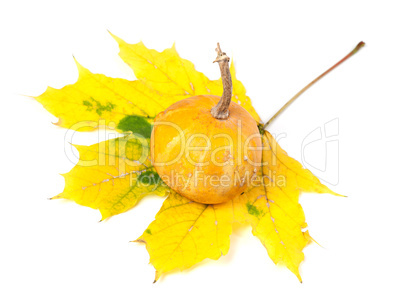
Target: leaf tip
[139,240]
[336,194]
[58,123]
[232,68]
[118,40]
[174,47]
[26,95]
[297,273]
[79,66]
[105,215]
[310,239]
[58,196]
[157,276]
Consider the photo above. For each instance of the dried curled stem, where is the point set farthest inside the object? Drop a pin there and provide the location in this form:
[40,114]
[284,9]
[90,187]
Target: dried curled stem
[221,110]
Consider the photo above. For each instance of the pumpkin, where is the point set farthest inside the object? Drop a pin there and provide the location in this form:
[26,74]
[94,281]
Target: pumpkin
[206,147]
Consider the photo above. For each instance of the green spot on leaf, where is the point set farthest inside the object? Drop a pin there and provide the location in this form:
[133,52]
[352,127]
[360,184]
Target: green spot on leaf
[148,178]
[148,231]
[97,106]
[253,210]
[136,124]
[88,104]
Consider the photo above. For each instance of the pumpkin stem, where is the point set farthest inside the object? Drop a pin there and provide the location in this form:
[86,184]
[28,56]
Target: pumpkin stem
[221,110]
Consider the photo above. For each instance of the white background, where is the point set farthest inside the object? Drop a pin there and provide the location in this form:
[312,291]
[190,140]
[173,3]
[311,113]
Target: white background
[57,252]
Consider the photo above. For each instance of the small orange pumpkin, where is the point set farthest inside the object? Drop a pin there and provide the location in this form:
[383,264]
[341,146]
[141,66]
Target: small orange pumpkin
[205,147]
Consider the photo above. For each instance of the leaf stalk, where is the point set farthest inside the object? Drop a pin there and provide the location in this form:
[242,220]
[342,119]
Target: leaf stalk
[286,105]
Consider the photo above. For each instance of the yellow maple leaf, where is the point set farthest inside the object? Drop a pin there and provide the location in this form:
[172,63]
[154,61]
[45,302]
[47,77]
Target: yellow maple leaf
[112,176]
[185,233]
